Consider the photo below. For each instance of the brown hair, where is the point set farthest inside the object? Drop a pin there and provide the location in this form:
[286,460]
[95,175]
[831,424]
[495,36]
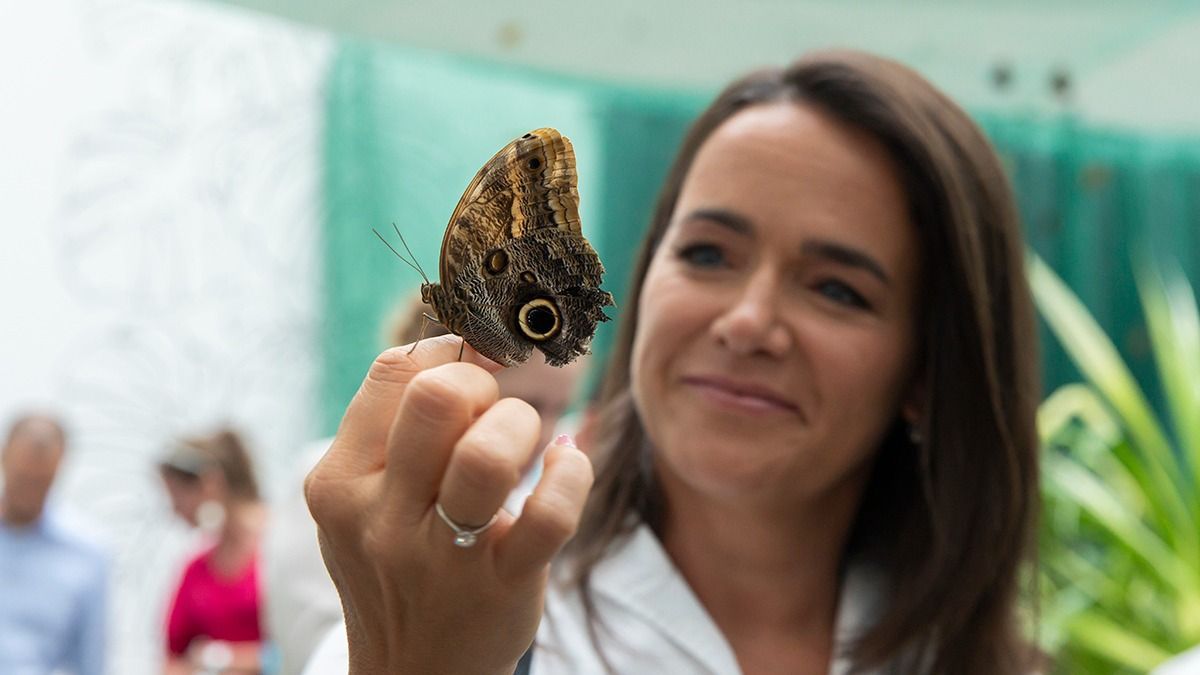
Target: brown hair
[223,450]
[951,518]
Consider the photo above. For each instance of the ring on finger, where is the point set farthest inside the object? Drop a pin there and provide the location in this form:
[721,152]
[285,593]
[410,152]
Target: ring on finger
[464,537]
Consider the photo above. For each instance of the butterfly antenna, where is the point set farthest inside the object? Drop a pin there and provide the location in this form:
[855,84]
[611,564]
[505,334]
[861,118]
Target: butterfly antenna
[410,253]
[402,258]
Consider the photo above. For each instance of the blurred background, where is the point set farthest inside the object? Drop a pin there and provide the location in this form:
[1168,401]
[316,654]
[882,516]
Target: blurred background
[189,189]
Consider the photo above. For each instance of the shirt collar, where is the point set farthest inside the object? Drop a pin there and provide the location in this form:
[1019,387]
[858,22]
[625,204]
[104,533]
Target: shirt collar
[640,576]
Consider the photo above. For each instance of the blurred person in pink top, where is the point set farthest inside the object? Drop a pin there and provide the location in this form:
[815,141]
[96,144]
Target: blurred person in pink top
[214,624]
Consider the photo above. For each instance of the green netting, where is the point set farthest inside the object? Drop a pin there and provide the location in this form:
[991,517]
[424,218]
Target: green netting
[1095,203]
[407,130]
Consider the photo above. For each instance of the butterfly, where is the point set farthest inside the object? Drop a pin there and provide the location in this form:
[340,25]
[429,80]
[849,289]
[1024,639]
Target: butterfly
[515,270]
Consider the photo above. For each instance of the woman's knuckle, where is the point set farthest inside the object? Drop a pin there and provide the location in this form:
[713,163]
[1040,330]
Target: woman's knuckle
[518,407]
[393,365]
[479,463]
[434,395]
[549,517]
[521,415]
[316,494]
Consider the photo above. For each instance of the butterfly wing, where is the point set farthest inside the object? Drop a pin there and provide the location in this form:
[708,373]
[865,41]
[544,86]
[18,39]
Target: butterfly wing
[515,270]
[529,184]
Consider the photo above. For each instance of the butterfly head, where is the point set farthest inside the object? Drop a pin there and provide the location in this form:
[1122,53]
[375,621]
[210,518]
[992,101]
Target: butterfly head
[444,308]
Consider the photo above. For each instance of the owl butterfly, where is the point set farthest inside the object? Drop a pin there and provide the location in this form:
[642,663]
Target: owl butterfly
[516,272]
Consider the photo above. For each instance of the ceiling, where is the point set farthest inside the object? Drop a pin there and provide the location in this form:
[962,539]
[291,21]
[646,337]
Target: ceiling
[1127,63]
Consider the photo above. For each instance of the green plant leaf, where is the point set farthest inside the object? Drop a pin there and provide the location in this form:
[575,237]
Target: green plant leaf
[1174,325]
[1154,465]
[1112,641]
[1071,481]
[1075,410]
[1072,402]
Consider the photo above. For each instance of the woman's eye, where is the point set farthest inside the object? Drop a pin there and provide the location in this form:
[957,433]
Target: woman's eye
[842,294]
[702,255]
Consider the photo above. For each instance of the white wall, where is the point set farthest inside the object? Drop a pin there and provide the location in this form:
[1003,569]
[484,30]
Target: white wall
[158,264]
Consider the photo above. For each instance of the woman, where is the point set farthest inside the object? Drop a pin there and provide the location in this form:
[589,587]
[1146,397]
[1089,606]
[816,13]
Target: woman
[818,445]
[214,623]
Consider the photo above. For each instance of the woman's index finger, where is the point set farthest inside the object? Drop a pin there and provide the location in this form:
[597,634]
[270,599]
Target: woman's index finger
[362,436]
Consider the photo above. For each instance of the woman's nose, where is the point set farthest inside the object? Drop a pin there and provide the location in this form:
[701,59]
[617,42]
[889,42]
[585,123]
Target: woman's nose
[752,323]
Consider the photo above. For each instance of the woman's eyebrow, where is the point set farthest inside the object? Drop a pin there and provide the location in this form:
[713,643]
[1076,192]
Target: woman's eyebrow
[729,219]
[822,248]
[845,255]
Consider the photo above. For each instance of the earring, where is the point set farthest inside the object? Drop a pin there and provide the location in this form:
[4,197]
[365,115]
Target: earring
[210,516]
[914,435]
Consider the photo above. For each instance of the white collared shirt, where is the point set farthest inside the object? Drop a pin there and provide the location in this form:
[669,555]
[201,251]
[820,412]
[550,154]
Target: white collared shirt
[649,620]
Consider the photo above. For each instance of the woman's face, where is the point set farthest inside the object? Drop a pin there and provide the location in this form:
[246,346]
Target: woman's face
[187,494]
[775,343]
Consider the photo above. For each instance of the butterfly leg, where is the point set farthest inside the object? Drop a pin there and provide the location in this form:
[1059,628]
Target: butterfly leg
[425,319]
[461,348]
[421,335]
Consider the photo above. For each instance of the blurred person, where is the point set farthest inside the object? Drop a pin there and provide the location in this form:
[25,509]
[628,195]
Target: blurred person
[214,623]
[53,585]
[816,451]
[302,602]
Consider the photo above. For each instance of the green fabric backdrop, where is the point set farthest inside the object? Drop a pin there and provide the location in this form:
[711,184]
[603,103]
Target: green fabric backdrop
[407,130]
[1094,202]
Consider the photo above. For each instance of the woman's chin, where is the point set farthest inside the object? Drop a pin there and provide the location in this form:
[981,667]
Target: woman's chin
[715,467]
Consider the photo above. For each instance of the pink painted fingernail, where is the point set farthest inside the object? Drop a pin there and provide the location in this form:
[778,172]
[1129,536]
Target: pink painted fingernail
[566,440]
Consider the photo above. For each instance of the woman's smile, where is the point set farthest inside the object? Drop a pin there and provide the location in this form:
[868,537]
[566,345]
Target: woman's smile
[741,396]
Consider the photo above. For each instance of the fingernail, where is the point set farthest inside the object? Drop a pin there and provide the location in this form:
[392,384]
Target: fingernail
[566,440]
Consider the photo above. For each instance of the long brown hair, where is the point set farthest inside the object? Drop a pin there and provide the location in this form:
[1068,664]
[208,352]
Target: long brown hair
[951,517]
[222,450]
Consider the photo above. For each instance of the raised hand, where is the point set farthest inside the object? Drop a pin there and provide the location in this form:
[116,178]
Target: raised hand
[425,429]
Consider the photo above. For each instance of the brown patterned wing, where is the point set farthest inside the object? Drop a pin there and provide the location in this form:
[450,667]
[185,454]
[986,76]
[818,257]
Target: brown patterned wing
[528,185]
[516,272]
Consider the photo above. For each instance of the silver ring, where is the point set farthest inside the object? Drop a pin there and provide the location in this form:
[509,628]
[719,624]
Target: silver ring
[464,537]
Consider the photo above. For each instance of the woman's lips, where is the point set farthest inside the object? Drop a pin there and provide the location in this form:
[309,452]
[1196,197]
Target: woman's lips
[744,396]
